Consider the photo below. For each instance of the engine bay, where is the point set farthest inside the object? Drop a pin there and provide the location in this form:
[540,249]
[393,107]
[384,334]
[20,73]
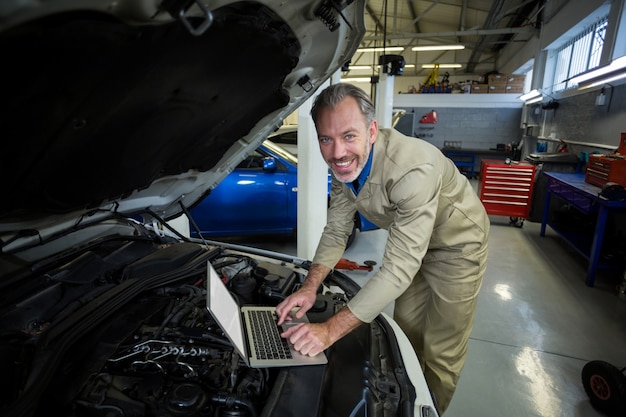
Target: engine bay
[95,334]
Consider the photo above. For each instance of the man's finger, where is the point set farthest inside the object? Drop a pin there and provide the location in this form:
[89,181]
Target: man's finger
[289,331]
[283,310]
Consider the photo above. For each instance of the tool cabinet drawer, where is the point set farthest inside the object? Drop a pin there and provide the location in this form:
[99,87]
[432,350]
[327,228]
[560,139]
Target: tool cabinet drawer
[506,189]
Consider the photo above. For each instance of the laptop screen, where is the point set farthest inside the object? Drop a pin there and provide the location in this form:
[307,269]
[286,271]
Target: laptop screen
[225,310]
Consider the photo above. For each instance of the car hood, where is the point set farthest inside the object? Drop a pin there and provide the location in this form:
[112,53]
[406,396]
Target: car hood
[115,107]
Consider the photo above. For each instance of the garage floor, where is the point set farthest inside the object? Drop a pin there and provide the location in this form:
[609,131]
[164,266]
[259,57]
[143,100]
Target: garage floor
[537,324]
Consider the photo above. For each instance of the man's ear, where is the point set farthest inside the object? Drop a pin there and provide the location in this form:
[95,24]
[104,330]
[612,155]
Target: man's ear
[373,131]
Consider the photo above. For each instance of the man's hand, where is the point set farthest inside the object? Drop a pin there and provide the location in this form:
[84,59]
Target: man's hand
[303,298]
[308,338]
[312,338]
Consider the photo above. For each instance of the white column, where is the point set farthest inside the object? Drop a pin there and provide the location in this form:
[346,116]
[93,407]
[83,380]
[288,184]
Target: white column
[312,183]
[384,100]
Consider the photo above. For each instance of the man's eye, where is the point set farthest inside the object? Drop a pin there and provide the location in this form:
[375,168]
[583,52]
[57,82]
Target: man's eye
[349,137]
[324,140]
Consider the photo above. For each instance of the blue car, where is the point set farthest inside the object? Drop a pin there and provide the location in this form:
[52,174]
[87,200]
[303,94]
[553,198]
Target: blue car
[258,197]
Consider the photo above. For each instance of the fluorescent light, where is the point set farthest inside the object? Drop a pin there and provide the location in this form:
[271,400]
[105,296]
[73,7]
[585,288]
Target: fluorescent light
[530,95]
[616,65]
[437,48]
[442,65]
[534,100]
[381,49]
[604,81]
[358,79]
[369,67]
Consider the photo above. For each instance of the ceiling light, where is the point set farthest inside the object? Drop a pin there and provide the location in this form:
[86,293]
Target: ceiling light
[442,65]
[530,95]
[369,67]
[382,49]
[358,79]
[437,48]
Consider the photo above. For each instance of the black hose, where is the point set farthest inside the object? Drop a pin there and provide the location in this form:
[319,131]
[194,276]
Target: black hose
[231,401]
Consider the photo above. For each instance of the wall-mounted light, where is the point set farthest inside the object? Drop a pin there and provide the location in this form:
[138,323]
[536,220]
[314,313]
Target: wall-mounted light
[442,66]
[530,95]
[603,75]
[534,100]
[437,48]
[382,49]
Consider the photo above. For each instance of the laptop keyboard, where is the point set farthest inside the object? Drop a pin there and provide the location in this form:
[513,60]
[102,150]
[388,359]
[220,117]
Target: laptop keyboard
[266,334]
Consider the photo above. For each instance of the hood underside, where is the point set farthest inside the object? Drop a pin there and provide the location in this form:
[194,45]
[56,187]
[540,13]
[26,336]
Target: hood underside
[102,108]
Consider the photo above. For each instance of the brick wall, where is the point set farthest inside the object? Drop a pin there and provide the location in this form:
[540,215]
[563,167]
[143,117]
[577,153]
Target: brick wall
[481,128]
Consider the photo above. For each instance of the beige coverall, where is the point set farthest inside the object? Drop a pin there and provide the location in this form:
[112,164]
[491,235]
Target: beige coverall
[435,255]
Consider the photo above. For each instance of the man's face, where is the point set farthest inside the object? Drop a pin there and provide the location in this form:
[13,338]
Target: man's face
[344,138]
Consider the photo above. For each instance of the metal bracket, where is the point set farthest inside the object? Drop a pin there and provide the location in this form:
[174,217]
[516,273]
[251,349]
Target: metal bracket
[178,10]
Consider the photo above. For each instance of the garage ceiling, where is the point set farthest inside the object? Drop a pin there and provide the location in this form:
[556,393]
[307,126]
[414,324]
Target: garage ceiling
[484,27]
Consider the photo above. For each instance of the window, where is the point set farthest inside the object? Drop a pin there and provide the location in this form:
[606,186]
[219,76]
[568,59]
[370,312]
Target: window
[580,54]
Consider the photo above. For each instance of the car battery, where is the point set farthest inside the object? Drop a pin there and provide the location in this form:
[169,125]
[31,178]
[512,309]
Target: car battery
[608,168]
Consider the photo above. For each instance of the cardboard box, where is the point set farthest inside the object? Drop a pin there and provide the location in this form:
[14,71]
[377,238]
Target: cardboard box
[499,89]
[516,79]
[497,79]
[514,89]
[479,88]
[506,79]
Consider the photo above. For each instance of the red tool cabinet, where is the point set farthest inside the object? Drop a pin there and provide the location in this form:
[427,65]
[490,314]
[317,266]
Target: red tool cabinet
[506,188]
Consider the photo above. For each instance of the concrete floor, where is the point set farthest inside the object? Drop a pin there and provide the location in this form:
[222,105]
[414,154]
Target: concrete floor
[537,324]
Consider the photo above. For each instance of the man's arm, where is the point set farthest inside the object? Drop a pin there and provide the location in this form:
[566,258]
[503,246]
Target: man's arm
[312,338]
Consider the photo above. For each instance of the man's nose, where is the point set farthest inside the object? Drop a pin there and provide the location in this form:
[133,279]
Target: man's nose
[339,149]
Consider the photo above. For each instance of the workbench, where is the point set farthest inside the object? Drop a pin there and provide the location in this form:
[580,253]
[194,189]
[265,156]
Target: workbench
[468,160]
[585,198]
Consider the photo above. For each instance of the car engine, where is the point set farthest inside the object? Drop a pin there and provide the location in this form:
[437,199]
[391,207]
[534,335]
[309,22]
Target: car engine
[102,333]
[179,362]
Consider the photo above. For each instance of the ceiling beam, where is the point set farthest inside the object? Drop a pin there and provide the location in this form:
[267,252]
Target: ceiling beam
[474,32]
[481,45]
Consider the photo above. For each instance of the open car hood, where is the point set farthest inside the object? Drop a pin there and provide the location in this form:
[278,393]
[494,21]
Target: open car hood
[114,107]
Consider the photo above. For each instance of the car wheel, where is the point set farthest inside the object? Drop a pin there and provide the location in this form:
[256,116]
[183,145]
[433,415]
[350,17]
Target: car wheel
[606,387]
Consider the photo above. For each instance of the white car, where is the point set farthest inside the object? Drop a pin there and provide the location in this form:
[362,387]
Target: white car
[118,117]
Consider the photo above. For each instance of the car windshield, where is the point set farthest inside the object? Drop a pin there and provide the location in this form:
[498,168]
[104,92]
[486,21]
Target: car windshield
[280,151]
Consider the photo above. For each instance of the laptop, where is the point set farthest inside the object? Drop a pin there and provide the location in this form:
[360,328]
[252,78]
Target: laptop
[239,325]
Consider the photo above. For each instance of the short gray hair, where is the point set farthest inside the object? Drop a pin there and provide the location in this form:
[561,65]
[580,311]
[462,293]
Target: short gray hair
[331,96]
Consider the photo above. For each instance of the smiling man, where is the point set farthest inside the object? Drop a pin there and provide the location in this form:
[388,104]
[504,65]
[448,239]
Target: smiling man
[436,252]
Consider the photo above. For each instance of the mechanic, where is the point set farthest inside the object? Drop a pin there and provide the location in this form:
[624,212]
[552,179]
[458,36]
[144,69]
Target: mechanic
[436,251]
